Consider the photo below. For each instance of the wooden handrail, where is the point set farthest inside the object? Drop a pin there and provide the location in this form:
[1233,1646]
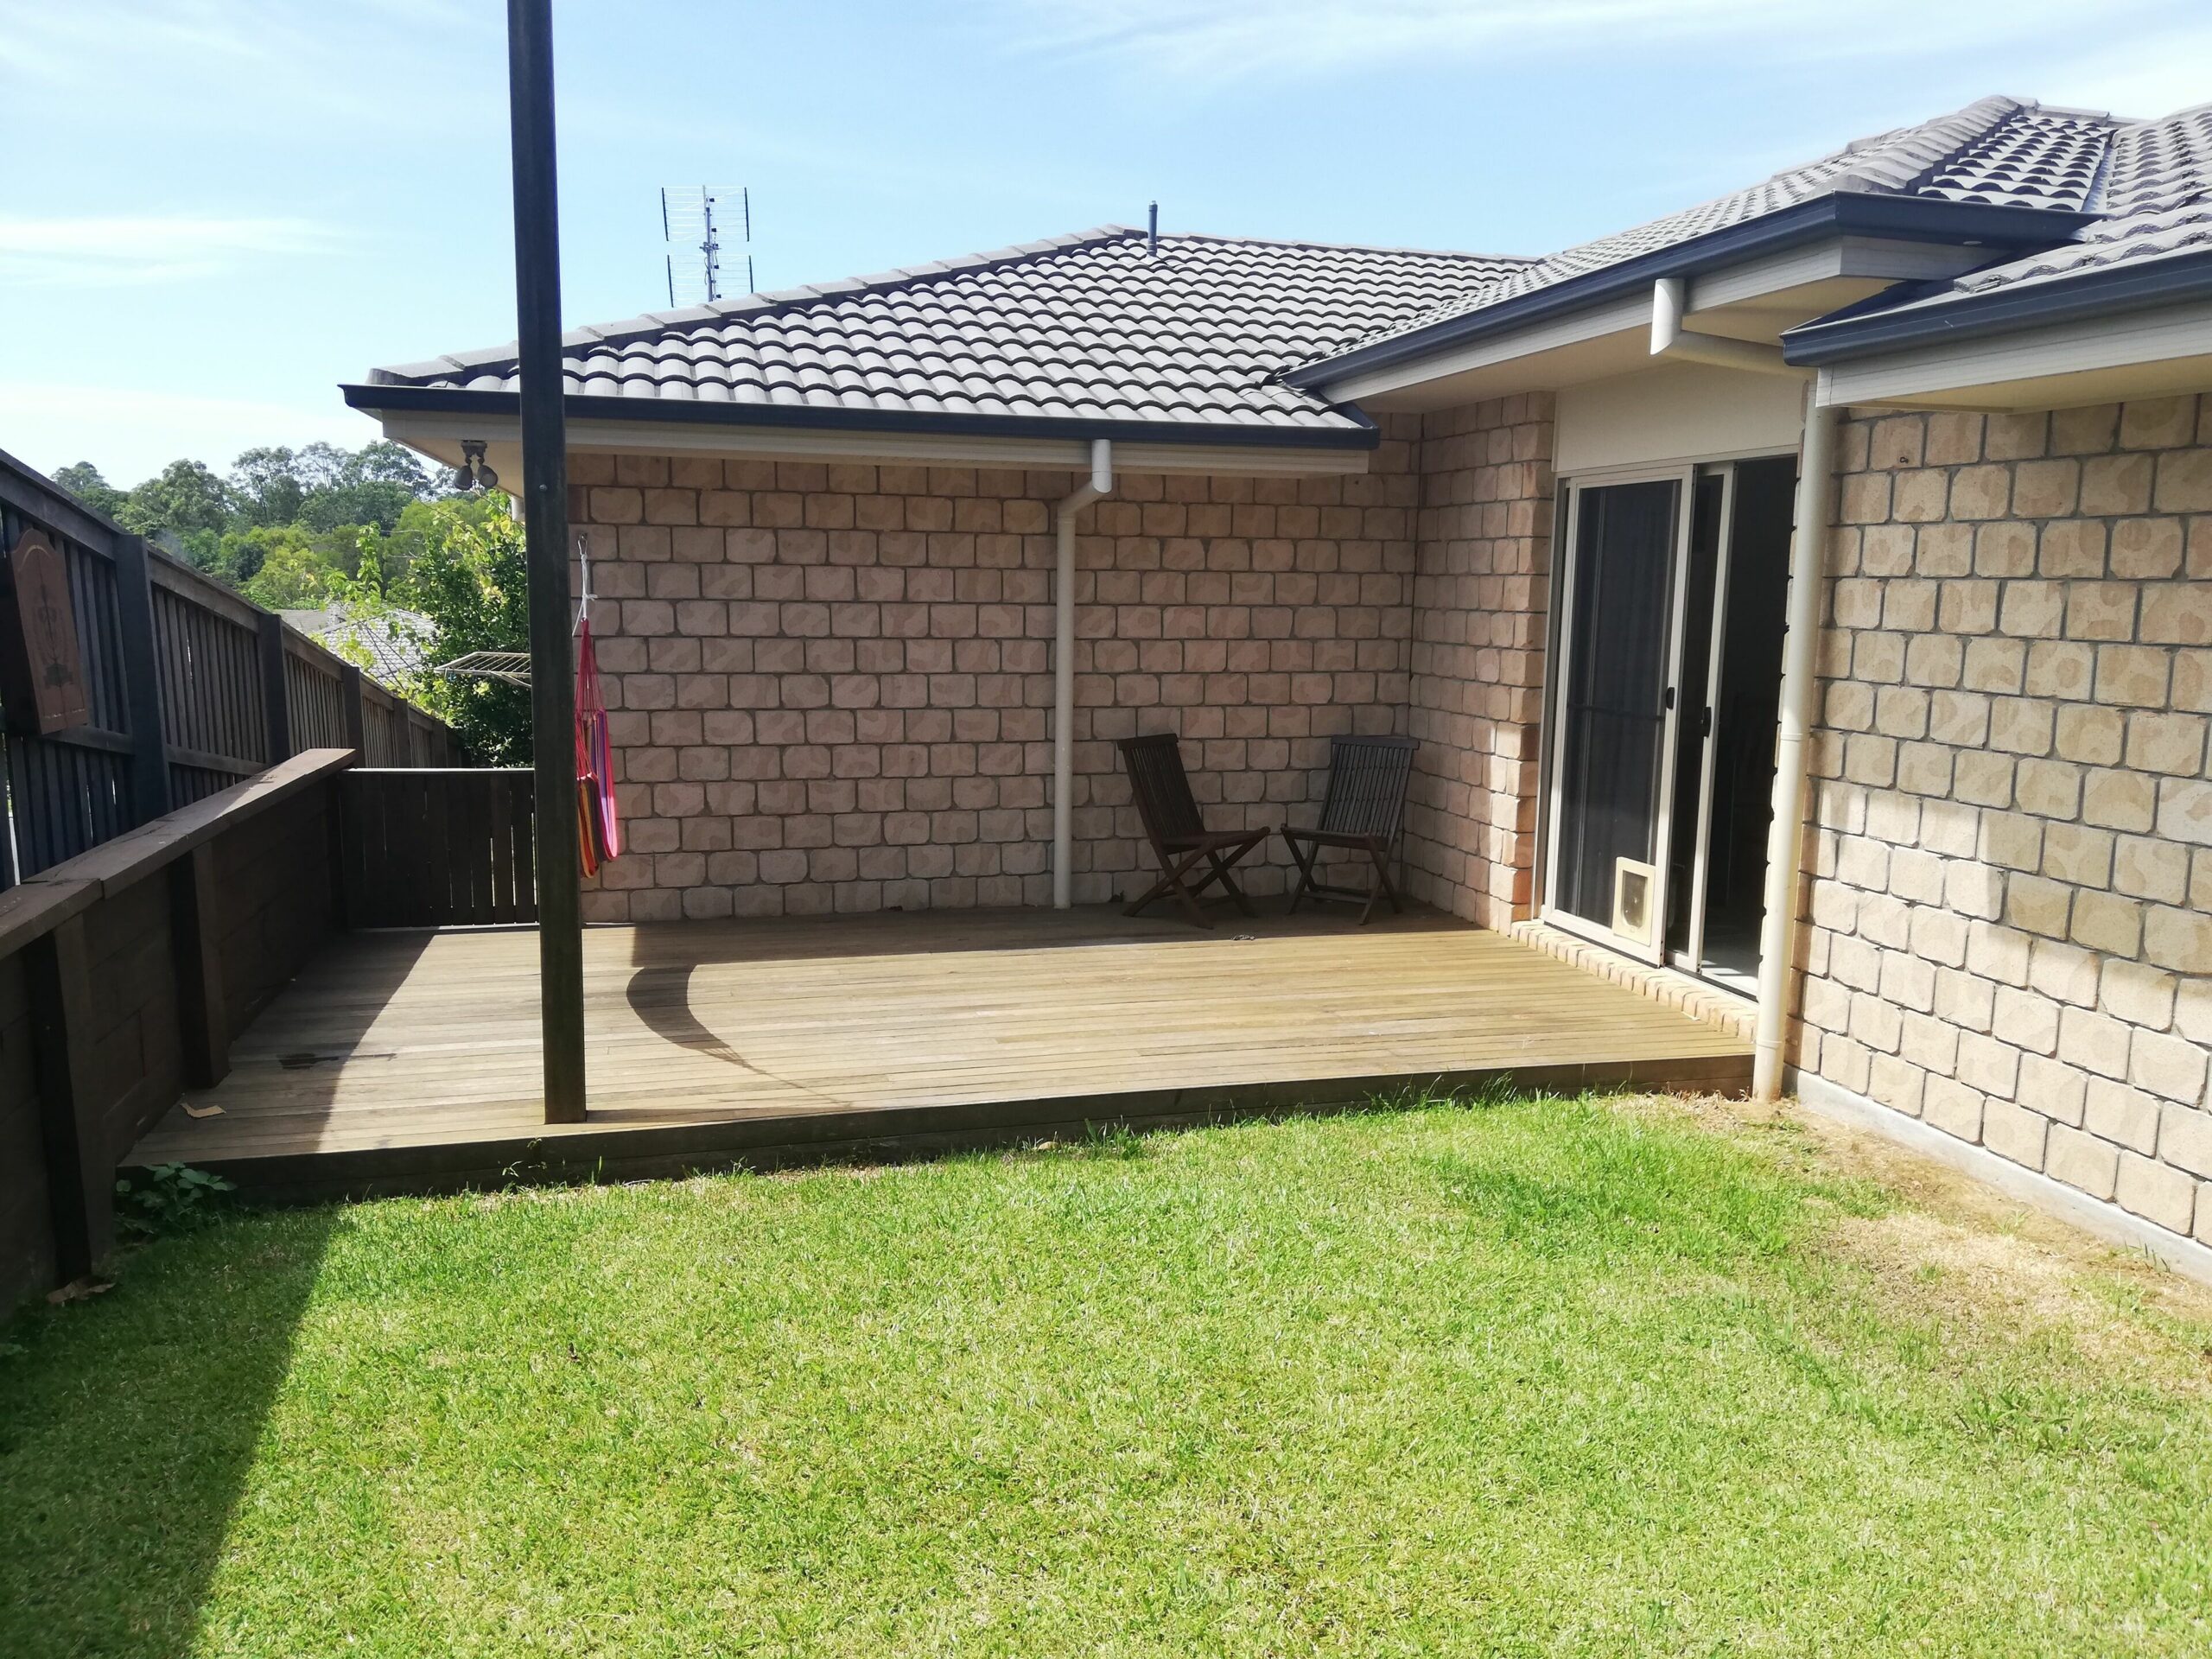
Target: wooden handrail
[41,903]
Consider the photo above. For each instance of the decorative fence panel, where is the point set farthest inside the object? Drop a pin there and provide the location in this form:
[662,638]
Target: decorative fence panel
[429,847]
[188,687]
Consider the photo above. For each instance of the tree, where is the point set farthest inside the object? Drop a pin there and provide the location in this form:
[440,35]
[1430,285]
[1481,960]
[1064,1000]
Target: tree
[386,462]
[469,577]
[293,573]
[265,483]
[84,481]
[185,498]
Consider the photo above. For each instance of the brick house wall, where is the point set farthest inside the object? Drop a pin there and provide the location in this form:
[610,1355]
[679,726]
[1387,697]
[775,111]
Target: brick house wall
[2009,911]
[831,685]
[1483,576]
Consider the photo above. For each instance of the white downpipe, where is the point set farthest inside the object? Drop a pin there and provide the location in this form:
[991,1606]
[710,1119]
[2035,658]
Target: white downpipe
[1063,514]
[1785,835]
[1671,339]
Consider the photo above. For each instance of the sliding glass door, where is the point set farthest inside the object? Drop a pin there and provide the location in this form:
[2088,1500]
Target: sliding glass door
[1670,661]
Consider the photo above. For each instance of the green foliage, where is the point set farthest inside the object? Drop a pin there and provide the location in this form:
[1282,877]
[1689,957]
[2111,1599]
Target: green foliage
[322,527]
[344,503]
[291,572]
[464,568]
[83,480]
[186,496]
[267,486]
[168,1198]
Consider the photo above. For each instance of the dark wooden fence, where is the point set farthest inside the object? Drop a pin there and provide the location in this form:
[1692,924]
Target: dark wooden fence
[190,689]
[437,849]
[124,972]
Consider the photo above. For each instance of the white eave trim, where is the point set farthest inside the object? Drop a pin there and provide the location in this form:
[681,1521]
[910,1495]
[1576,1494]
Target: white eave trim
[2173,347]
[1631,314]
[1869,257]
[431,432]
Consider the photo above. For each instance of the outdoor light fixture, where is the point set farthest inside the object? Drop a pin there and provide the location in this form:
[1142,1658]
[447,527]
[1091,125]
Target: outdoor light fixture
[473,474]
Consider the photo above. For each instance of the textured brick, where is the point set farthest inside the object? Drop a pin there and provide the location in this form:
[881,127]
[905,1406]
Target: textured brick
[2046,721]
[2081,1160]
[864,651]
[2157,1191]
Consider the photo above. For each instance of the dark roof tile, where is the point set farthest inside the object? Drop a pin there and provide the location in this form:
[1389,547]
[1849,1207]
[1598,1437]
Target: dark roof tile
[1089,327]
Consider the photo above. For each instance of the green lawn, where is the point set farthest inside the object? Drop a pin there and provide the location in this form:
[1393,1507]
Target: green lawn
[1539,1377]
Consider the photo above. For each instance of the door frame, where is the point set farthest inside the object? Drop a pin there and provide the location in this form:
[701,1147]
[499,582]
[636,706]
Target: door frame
[1567,519]
[1708,746]
[1683,475]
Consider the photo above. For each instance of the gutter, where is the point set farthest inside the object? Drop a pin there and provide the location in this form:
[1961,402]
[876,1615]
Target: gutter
[1843,212]
[1872,327]
[1361,434]
[1063,516]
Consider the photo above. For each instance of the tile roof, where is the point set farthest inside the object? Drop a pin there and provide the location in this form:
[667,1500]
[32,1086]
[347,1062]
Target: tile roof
[2154,197]
[1996,151]
[1090,327]
[2158,199]
[391,642]
[1208,334]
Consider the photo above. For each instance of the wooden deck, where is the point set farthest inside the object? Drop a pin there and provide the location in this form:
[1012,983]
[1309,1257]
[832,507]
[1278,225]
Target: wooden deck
[409,1060]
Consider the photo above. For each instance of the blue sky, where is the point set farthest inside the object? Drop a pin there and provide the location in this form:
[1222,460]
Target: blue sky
[211,212]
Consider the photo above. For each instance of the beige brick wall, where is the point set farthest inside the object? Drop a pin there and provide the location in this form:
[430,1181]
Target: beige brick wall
[831,686]
[1483,577]
[2008,931]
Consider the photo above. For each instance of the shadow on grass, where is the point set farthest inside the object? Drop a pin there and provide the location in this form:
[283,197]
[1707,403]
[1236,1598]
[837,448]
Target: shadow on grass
[127,1427]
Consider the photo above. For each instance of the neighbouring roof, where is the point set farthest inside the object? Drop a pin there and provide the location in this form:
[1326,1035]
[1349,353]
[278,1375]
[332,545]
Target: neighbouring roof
[1092,328]
[392,641]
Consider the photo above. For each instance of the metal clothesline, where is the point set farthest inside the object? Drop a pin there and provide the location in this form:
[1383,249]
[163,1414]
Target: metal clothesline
[513,667]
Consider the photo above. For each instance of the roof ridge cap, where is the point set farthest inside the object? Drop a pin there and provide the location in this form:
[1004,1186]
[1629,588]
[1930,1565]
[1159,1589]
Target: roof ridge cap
[1348,247]
[1957,131]
[2128,122]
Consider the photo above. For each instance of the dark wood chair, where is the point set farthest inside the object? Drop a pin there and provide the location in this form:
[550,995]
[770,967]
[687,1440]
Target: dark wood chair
[1179,838]
[1362,812]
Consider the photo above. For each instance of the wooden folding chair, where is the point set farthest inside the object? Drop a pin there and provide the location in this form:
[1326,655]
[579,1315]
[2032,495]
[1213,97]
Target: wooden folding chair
[1362,812]
[1179,838]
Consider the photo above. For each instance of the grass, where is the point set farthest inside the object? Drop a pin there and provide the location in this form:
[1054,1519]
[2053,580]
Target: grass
[1538,1376]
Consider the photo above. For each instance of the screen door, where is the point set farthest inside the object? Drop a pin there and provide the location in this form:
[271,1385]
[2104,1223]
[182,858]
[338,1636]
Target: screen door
[1608,865]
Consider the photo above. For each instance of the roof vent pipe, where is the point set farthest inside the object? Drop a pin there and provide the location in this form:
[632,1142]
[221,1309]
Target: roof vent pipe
[1100,482]
[1151,233]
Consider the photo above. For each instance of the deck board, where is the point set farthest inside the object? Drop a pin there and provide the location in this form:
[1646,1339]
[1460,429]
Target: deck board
[399,1058]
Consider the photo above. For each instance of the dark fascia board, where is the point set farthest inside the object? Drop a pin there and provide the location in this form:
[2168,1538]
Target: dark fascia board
[1873,328]
[1843,212]
[451,400]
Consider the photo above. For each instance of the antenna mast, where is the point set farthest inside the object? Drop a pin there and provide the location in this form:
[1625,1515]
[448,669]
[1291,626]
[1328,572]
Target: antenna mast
[693,218]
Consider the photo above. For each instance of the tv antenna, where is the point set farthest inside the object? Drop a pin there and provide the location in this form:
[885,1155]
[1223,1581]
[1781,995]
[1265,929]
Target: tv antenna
[694,218]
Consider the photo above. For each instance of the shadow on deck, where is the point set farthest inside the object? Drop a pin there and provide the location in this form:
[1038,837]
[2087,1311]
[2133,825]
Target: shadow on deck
[410,1060]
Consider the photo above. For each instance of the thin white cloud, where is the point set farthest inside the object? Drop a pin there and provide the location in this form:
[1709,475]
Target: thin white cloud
[122,250]
[1222,41]
[246,63]
[131,434]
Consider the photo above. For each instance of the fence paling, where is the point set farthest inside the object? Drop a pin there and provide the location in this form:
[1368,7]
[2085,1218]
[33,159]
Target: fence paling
[190,687]
[429,846]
